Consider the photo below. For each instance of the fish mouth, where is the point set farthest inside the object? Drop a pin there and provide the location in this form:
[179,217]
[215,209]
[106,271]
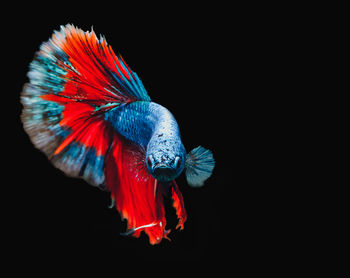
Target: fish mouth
[164,173]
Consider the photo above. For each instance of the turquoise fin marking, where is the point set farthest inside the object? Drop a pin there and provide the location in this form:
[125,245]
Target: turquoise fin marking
[199,166]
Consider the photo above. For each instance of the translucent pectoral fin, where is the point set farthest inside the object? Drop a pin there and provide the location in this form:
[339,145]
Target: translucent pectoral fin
[199,166]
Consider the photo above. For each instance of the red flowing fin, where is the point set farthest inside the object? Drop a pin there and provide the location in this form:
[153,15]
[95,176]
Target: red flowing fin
[85,127]
[73,136]
[74,79]
[133,189]
[81,152]
[93,72]
[178,205]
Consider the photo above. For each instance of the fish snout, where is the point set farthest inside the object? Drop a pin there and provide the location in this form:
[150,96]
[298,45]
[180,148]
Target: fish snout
[164,173]
[163,168]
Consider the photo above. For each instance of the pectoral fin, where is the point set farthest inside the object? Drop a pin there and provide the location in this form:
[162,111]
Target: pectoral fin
[199,166]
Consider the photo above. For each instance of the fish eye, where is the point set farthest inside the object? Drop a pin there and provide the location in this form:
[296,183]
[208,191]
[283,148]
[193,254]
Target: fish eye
[177,162]
[149,162]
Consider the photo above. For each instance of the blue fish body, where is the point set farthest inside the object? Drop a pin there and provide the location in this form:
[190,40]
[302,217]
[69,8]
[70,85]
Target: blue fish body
[153,127]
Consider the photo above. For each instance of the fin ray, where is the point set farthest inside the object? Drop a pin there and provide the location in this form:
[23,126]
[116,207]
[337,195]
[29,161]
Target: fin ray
[133,188]
[73,79]
[199,166]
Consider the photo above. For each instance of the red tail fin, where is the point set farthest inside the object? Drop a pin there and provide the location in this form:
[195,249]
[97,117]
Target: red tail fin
[74,79]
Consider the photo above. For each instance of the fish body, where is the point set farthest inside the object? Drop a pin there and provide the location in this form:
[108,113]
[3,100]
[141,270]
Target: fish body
[153,127]
[92,117]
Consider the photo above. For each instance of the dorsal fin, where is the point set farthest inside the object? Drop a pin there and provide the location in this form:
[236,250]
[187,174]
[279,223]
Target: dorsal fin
[91,70]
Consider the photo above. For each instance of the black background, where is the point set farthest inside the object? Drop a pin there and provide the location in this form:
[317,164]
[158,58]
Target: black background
[205,65]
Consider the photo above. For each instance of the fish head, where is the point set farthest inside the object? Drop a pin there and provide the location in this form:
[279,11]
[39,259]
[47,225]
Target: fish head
[165,165]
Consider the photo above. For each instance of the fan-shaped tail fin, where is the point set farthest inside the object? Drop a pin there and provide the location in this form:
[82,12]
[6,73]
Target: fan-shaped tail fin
[74,79]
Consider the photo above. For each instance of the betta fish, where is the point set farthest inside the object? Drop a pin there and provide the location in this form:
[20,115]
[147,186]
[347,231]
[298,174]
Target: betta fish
[92,117]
